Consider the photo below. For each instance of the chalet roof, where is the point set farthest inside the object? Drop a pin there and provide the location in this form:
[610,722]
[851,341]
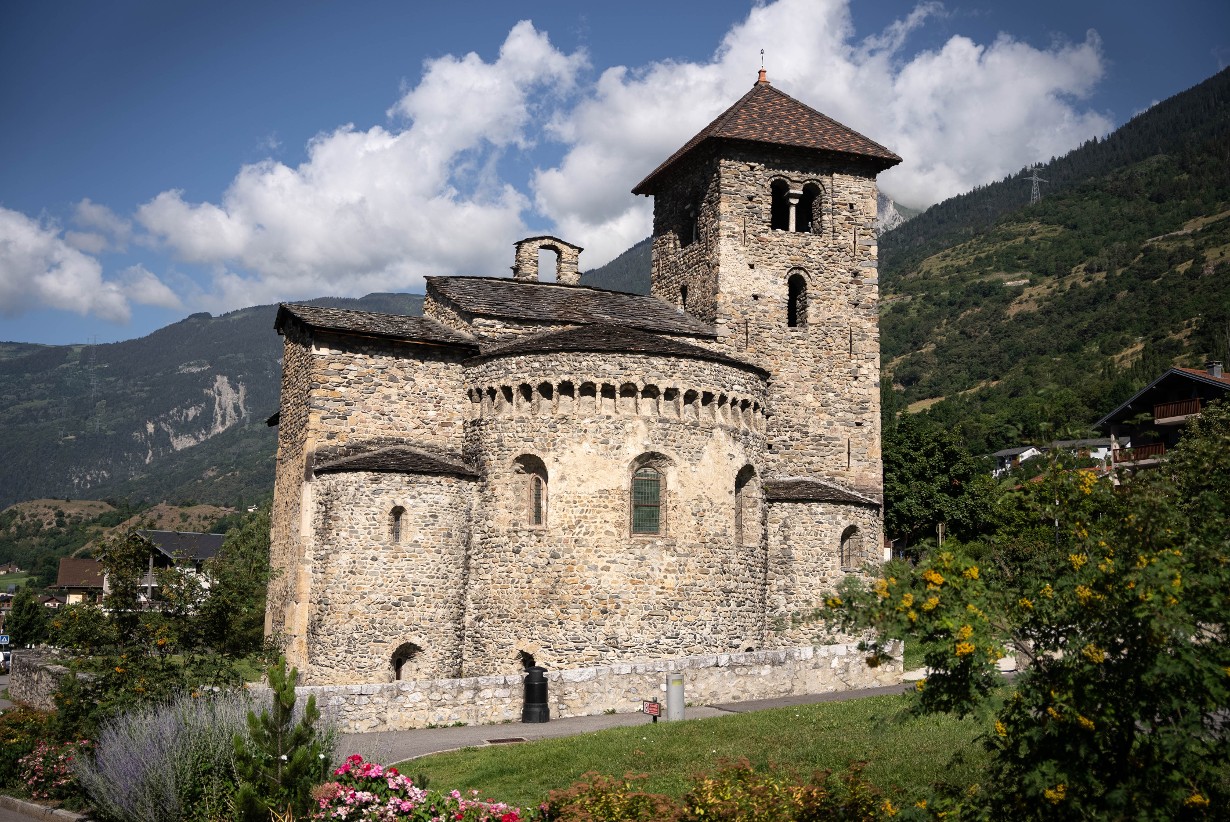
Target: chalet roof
[1200,380]
[796,489]
[372,324]
[79,573]
[555,302]
[184,545]
[613,339]
[767,115]
[390,459]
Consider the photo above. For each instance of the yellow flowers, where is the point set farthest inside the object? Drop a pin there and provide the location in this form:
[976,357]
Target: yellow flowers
[1054,714]
[1085,482]
[118,669]
[912,616]
[1085,722]
[1196,800]
[834,602]
[1025,604]
[1094,654]
[1078,560]
[920,685]
[934,578]
[1057,794]
[1000,729]
[889,809]
[970,572]
[931,603]
[907,599]
[965,648]
[965,632]
[881,588]
[1047,591]
[1177,580]
[1084,593]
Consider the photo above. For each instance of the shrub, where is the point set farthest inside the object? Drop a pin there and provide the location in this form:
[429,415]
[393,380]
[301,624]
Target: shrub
[20,730]
[47,771]
[367,791]
[602,799]
[168,762]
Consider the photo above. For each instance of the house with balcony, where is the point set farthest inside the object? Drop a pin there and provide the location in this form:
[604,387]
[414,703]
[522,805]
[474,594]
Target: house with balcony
[1153,419]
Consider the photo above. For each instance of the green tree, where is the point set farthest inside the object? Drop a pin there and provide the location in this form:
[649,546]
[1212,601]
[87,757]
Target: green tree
[27,622]
[233,616]
[1120,710]
[282,760]
[929,479]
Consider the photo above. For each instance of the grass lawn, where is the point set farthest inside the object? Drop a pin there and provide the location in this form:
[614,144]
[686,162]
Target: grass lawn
[905,754]
[13,579]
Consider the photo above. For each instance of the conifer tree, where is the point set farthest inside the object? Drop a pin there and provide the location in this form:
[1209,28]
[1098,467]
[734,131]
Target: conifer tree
[281,761]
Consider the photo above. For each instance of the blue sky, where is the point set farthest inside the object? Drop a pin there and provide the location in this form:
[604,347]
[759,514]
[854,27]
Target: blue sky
[161,158]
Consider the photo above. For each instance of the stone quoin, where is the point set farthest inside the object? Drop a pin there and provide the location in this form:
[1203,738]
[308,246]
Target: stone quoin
[541,473]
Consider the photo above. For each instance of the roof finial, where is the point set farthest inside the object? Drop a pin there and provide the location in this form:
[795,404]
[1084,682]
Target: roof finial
[763,78]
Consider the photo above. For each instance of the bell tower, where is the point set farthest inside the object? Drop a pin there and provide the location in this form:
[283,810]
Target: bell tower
[764,226]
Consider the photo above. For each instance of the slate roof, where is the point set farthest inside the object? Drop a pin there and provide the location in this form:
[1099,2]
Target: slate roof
[553,302]
[613,339]
[390,459]
[766,115]
[79,573]
[1012,452]
[369,323]
[184,545]
[813,490]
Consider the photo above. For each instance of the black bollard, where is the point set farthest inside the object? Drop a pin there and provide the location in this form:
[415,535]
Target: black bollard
[535,708]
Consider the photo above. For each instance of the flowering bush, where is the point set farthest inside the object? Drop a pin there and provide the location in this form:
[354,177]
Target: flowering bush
[367,791]
[47,771]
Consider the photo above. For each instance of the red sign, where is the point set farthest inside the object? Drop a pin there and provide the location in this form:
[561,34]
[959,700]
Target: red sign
[652,708]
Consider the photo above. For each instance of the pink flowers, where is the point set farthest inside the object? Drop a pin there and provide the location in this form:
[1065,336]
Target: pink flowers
[47,771]
[368,791]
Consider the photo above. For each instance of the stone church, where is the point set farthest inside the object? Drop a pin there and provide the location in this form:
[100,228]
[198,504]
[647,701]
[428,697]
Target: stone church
[538,472]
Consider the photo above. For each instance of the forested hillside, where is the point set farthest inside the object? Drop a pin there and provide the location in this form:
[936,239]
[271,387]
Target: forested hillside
[1041,319]
[177,415]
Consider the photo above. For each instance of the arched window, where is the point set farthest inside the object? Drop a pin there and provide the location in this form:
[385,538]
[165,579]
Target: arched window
[747,507]
[405,653]
[647,501]
[796,305]
[395,524]
[851,548]
[532,474]
[779,208]
[807,212]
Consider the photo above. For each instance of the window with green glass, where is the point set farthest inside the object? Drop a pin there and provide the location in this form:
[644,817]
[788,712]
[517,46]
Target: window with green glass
[646,501]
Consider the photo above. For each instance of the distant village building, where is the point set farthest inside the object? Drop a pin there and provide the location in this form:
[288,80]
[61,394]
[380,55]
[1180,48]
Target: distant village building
[1152,420]
[80,581]
[539,472]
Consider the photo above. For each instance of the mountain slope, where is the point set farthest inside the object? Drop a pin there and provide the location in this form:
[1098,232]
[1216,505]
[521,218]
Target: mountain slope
[179,414]
[1052,314]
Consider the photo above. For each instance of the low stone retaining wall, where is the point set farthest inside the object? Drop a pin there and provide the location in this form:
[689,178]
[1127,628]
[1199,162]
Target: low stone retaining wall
[397,706]
[34,676]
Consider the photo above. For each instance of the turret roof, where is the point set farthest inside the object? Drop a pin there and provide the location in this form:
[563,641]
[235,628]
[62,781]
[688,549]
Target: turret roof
[766,115]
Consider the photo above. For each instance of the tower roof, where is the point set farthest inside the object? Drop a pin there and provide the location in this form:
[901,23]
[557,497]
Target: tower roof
[766,115]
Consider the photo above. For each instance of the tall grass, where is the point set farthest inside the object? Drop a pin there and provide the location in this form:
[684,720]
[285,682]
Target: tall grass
[167,763]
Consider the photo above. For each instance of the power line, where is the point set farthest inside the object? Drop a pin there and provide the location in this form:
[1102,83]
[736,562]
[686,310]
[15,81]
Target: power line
[1035,193]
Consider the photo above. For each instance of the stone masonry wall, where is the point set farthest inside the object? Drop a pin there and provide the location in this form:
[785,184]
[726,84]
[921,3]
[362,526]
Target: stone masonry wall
[620,687]
[371,594]
[804,565]
[34,678]
[582,588]
[286,545]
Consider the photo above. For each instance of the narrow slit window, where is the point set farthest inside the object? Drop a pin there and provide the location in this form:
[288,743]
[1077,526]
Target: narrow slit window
[395,524]
[538,500]
[796,305]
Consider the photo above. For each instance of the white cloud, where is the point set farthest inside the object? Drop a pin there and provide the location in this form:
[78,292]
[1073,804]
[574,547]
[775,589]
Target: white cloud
[960,116]
[39,268]
[381,208]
